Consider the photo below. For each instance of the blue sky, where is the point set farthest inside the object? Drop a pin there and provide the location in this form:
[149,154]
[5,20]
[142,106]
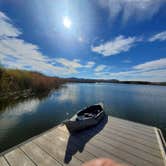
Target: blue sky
[109,39]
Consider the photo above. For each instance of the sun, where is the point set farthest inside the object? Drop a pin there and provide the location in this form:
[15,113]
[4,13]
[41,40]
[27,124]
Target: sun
[67,22]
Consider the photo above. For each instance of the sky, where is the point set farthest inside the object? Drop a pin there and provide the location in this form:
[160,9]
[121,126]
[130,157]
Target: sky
[107,39]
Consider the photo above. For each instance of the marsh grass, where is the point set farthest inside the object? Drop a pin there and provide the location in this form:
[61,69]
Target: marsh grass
[12,80]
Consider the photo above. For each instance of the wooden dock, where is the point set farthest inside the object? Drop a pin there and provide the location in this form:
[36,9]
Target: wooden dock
[123,141]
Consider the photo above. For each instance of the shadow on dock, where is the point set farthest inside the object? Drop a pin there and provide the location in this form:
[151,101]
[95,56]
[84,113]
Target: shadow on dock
[77,141]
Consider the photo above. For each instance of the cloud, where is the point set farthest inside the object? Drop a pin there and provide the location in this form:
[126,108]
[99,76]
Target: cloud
[160,37]
[7,29]
[90,64]
[16,53]
[149,71]
[151,65]
[127,61]
[127,9]
[100,68]
[152,75]
[69,63]
[116,46]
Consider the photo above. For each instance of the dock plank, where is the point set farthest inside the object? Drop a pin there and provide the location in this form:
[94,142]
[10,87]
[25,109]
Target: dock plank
[126,134]
[130,128]
[125,152]
[130,150]
[132,143]
[3,162]
[56,151]
[39,156]
[18,158]
[124,141]
[133,125]
[77,141]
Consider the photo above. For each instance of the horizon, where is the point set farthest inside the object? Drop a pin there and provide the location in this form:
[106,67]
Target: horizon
[123,40]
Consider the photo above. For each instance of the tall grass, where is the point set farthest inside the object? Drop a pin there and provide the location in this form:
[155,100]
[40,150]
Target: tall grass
[14,80]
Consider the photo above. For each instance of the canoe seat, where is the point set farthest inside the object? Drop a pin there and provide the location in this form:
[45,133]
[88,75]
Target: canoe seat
[86,115]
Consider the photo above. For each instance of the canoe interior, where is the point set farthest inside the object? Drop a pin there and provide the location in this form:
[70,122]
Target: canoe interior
[95,109]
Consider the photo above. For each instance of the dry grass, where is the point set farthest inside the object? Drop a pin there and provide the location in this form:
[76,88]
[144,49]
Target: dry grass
[15,80]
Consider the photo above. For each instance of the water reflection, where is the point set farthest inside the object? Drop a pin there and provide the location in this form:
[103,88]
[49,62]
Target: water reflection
[11,116]
[69,93]
[28,106]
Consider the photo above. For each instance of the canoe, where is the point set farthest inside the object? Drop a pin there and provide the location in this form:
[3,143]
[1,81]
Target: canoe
[86,118]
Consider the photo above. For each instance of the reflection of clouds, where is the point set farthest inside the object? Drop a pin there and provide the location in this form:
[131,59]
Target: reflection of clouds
[69,93]
[27,106]
[10,117]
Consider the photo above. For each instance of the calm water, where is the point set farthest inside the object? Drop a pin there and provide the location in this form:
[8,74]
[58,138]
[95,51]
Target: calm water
[141,103]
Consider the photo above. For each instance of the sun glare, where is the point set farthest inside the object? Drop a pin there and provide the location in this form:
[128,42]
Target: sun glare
[67,22]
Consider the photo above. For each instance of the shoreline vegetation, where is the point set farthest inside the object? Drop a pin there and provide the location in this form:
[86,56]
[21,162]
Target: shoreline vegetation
[15,81]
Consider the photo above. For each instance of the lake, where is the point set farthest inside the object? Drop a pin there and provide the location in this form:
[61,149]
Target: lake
[140,103]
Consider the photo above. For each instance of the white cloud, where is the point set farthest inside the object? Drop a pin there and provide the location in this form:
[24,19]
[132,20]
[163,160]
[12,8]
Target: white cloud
[116,46]
[90,64]
[74,64]
[127,61]
[149,71]
[152,75]
[16,53]
[160,36]
[69,63]
[100,68]
[6,28]
[137,9]
[155,64]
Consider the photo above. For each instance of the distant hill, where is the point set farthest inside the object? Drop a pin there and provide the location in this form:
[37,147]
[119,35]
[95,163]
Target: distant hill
[82,80]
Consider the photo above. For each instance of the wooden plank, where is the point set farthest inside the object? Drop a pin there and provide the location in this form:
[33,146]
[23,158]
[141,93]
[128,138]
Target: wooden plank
[70,148]
[122,134]
[125,135]
[132,143]
[152,139]
[86,153]
[132,124]
[18,158]
[130,150]
[55,151]
[161,145]
[124,151]
[3,162]
[123,155]
[129,127]
[88,147]
[39,156]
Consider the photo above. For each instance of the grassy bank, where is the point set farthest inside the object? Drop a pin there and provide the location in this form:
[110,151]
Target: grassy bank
[12,80]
